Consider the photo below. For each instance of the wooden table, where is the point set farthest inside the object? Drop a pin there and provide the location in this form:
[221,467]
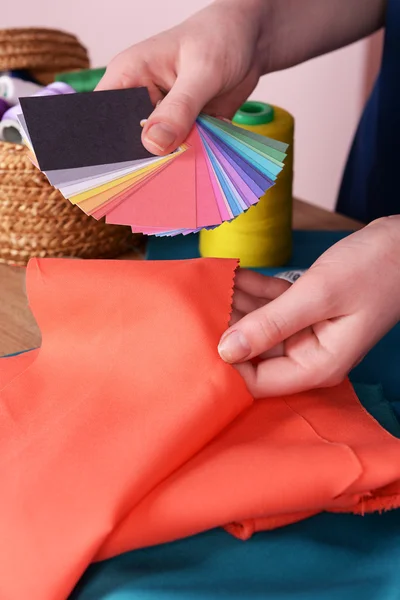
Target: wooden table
[18,330]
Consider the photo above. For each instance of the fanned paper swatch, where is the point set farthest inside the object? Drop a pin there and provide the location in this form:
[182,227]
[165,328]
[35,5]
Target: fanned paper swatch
[89,146]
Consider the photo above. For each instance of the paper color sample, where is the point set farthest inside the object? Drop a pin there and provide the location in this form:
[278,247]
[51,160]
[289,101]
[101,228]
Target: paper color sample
[126,429]
[232,168]
[166,209]
[88,129]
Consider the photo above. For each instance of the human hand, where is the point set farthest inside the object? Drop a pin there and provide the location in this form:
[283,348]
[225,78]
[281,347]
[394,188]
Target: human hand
[312,333]
[210,62]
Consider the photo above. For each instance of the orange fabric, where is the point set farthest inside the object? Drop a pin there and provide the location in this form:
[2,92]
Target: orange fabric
[126,429]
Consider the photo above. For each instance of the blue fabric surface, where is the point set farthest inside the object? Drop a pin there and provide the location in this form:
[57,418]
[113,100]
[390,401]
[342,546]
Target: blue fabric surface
[307,247]
[328,557]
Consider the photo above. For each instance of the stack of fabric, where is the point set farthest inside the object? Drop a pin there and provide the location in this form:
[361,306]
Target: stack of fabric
[125,431]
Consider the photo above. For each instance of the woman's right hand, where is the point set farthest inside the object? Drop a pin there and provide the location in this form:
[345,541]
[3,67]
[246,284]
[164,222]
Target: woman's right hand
[213,60]
[209,62]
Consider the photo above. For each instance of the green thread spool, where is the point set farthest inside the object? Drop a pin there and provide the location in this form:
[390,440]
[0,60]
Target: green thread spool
[85,80]
[254,113]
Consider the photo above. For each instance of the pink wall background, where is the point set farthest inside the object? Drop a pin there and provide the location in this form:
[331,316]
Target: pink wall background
[325,95]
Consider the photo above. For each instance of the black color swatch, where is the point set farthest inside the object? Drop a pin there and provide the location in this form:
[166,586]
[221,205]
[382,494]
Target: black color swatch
[87,129]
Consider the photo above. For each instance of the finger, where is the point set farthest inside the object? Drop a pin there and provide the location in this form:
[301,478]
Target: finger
[236,315]
[275,377]
[318,357]
[343,343]
[126,72]
[129,70]
[275,351]
[172,120]
[259,285]
[227,103]
[121,72]
[278,350]
[300,306]
[245,303]
[301,369]
[112,80]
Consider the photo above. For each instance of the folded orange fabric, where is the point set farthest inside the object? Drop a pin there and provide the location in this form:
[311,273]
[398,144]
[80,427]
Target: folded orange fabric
[126,429]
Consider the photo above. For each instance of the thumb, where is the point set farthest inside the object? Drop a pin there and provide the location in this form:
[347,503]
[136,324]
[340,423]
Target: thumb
[170,123]
[264,328]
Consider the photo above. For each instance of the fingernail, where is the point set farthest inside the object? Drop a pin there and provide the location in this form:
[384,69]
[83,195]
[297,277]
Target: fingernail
[161,136]
[234,347]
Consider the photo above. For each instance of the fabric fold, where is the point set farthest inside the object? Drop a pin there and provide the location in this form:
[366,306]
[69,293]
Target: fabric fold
[126,429]
[127,386]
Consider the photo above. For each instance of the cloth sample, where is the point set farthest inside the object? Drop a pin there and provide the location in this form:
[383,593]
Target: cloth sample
[127,430]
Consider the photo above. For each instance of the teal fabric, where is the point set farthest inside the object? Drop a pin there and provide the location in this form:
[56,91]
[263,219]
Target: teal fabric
[307,247]
[374,401]
[328,557]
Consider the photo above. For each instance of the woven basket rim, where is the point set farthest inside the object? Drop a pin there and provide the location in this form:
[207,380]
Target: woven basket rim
[41,50]
[12,32]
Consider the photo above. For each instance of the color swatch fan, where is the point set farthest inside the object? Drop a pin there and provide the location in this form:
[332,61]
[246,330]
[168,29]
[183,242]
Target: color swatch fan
[89,146]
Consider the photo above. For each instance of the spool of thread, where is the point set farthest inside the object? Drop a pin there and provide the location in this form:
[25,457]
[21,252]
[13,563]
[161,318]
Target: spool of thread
[56,88]
[10,128]
[262,236]
[4,106]
[12,88]
[10,131]
[85,80]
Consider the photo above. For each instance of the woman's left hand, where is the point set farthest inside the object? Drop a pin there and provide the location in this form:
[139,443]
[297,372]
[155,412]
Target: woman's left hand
[312,333]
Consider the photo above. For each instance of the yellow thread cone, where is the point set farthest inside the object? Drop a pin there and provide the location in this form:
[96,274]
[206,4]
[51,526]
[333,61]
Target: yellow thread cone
[261,237]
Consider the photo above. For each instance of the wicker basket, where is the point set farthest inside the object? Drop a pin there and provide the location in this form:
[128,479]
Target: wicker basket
[42,52]
[35,219]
